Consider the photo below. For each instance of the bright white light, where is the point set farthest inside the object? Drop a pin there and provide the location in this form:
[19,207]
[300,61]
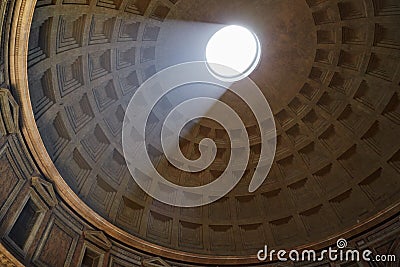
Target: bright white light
[233,52]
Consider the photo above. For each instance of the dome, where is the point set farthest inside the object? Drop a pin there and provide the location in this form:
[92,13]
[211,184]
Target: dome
[329,71]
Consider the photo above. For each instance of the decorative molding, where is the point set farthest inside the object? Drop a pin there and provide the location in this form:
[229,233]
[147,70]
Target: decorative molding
[9,113]
[12,186]
[93,254]
[3,6]
[7,259]
[45,190]
[98,238]
[155,262]
[57,231]
[41,208]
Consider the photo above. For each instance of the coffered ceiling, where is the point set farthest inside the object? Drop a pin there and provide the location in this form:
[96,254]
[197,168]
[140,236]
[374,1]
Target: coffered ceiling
[330,70]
